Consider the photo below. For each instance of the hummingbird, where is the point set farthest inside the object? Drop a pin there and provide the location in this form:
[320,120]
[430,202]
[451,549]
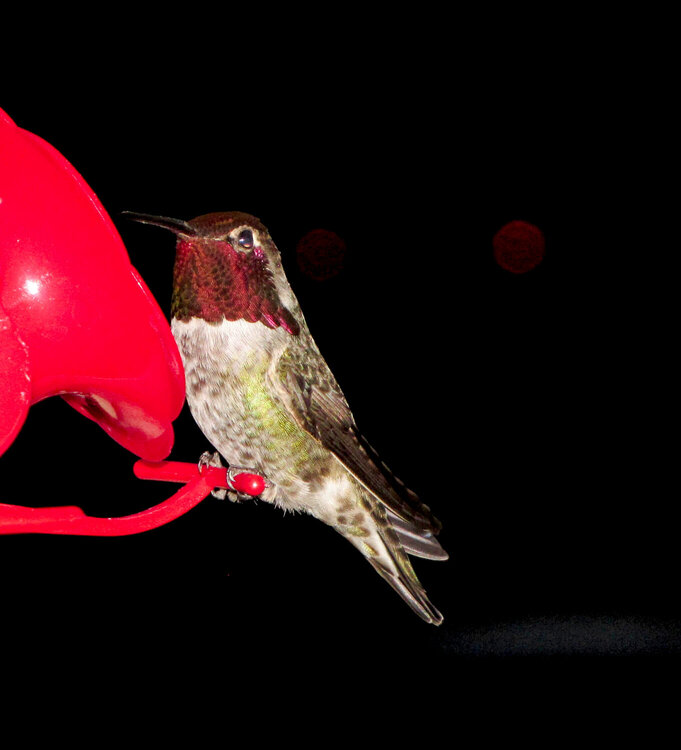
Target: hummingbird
[264,397]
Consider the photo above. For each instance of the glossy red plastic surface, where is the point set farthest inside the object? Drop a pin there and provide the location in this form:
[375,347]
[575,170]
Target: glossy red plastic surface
[177,471]
[76,319]
[248,483]
[232,478]
[71,520]
[68,519]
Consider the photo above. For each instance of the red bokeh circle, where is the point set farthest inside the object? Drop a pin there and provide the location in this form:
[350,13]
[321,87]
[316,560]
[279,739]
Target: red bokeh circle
[321,254]
[518,246]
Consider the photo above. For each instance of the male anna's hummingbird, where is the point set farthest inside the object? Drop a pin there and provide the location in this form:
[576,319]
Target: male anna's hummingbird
[264,396]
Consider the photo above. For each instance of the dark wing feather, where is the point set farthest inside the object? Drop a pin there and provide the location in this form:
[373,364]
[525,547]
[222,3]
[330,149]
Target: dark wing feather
[317,403]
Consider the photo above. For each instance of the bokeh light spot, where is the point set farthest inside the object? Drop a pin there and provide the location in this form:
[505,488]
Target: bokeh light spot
[518,246]
[321,254]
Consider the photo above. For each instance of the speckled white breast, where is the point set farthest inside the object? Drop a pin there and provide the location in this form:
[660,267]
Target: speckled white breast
[230,392]
[214,356]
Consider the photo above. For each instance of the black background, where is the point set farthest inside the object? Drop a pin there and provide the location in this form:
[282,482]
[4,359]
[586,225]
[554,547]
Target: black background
[517,406]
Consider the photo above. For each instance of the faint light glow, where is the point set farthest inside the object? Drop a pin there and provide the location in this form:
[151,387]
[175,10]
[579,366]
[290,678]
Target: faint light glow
[570,635]
[32,287]
[518,246]
[321,254]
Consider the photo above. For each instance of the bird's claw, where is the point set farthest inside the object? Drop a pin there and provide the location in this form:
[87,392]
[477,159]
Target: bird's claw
[210,459]
[214,459]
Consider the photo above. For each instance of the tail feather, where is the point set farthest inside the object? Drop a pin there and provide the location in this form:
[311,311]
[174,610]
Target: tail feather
[412,592]
[416,541]
[388,556]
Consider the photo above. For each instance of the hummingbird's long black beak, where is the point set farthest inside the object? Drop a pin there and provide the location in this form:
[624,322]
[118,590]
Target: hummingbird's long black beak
[174,225]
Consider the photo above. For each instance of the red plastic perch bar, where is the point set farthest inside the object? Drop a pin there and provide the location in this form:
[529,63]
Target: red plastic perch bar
[68,519]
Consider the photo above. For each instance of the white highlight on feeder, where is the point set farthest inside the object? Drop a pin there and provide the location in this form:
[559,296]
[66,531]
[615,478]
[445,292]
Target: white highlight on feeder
[32,287]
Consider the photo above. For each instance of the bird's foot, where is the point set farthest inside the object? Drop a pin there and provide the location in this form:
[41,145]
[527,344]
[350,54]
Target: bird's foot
[232,494]
[213,459]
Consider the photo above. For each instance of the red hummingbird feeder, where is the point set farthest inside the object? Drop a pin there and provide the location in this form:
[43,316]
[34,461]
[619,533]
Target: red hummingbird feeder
[78,321]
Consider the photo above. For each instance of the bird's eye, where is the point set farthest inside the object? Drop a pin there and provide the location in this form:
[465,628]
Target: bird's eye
[246,239]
